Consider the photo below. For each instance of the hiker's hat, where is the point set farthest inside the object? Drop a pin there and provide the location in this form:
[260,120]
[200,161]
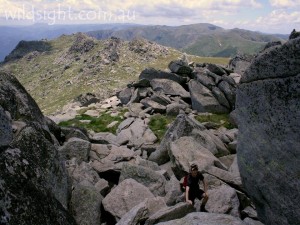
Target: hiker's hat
[194,166]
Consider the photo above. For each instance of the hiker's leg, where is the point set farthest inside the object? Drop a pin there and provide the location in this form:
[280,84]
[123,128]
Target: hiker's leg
[192,196]
[204,201]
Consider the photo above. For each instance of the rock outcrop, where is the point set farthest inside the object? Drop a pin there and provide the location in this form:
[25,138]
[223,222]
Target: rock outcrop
[33,179]
[268,149]
[204,88]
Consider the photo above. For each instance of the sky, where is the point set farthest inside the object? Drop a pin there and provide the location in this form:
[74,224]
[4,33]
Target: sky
[268,16]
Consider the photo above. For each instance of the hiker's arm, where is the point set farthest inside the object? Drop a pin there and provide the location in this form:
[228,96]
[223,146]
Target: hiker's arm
[204,186]
[187,188]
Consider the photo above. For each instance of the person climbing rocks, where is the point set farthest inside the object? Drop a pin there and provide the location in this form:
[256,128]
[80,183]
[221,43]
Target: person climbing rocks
[193,190]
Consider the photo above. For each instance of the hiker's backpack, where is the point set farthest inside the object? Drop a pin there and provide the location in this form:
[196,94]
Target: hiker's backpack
[184,184]
[185,181]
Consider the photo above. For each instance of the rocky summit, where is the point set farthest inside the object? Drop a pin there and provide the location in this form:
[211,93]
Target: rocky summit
[56,71]
[122,160]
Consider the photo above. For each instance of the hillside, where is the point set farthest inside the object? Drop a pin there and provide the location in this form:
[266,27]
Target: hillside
[226,44]
[12,35]
[55,72]
[198,39]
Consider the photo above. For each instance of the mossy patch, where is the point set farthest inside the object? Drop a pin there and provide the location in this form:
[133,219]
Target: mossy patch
[159,125]
[222,119]
[97,124]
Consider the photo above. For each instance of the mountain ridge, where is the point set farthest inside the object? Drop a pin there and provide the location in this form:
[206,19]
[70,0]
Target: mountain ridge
[12,35]
[197,36]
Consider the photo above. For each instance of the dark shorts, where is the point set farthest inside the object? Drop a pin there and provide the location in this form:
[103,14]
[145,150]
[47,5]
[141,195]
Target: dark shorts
[193,194]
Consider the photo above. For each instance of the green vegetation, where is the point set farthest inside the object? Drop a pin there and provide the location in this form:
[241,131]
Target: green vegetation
[96,124]
[222,119]
[159,124]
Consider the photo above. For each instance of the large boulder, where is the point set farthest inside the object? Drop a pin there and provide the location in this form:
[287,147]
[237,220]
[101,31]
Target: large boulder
[229,92]
[161,98]
[125,95]
[139,213]
[187,126]
[185,151]
[182,126]
[203,99]
[200,218]
[6,133]
[268,103]
[216,69]
[158,108]
[230,178]
[74,132]
[170,213]
[173,191]
[80,172]
[146,176]
[124,197]
[220,96]
[151,73]
[75,147]
[87,99]
[85,204]
[114,160]
[41,154]
[180,67]
[240,63]
[25,201]
[15,99]
[169,87]
[203,78]
[30,167]
[224,200]
[175,108]
[135,132]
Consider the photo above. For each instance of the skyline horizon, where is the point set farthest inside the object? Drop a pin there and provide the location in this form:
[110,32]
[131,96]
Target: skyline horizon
[135,24]
[266,16]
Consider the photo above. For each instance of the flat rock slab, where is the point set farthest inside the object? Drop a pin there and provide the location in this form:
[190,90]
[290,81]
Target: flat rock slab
[169,87]
[124,197]
[199,218]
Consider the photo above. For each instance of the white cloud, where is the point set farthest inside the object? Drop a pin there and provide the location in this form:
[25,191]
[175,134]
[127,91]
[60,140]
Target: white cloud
[280,17]
[278,21]
[151,6]
[285,3]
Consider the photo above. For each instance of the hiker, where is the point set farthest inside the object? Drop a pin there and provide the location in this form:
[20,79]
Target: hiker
[192,188]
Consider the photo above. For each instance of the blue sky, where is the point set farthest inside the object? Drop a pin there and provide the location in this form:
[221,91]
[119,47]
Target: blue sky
[269,16]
